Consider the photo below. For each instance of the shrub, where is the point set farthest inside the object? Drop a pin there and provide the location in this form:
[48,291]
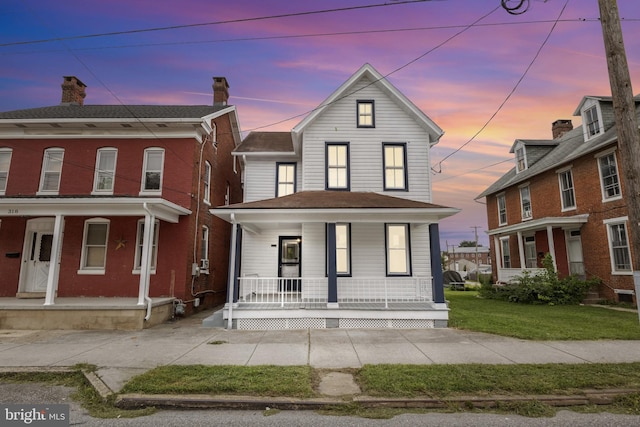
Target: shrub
[543,288]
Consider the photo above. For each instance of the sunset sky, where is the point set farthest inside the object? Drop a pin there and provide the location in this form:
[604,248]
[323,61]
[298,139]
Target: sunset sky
[463,62]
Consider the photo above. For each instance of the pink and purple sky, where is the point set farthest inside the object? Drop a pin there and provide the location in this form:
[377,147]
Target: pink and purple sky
[281,68]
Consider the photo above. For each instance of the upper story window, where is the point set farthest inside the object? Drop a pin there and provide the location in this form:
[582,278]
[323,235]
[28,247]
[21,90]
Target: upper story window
[337,164]
[525,202]
[592,121]
[51,171]
[366,114]
[285,179]
[5,162]
[609,180]
[619,245]
[521,159]
[398,250]
[502,209]
[104,177]
[207,183]
[152,171]
[567,194]
[394,163]
[94,246]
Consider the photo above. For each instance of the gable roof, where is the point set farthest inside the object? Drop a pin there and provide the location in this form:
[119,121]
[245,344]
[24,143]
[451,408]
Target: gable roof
[380,81]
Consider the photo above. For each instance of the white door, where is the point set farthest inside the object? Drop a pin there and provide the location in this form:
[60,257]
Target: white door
[36,257]
[574,252]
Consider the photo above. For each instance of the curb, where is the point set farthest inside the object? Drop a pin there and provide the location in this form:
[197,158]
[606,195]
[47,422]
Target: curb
[589,397]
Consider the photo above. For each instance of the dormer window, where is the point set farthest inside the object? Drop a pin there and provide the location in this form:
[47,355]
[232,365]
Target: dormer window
[521,160]
[366,114]
[592,121]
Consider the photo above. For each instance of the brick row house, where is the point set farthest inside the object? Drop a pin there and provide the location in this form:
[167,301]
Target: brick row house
[565,196]
[104,210]
[337,227]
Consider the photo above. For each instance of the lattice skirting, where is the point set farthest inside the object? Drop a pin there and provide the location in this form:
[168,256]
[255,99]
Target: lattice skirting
[321,323]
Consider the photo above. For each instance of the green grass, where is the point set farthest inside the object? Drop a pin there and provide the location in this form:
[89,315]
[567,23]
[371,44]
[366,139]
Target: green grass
[475,379]
[540,322]
[293,381]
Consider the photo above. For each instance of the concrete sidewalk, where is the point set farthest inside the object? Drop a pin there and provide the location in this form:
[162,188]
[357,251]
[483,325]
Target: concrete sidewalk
[123,354]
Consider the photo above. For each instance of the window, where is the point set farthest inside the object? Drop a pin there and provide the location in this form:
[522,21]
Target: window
[609,177]
[103,180]
[502,209]
[214,134]
[506,254]
[531,259]
[394,163]
[285,179]
[140,241]
[619,246]
[204,248]
[152,170]
[94,246]
[567,194]
[525,201]
[5,162]
[591,120]
[397,243]
[521,161]
[207,183]
[51,171]
[343,249]
[366,117]
[337,161]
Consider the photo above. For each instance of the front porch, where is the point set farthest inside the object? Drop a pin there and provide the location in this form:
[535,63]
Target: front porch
[302,303]
[83,313]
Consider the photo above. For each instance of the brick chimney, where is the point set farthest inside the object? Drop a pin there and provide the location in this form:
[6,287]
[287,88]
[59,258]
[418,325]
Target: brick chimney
[560,127]
[73,91]
[220,91]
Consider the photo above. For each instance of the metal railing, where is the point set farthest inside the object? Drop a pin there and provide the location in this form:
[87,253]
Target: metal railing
[289,291]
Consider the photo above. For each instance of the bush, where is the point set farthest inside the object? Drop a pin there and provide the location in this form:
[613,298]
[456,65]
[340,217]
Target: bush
[543,288]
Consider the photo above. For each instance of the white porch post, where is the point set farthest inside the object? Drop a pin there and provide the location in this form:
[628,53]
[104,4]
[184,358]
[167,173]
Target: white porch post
[552,246]
[523,261]
[145,259]
[232,272]
[54,263]
[496,245]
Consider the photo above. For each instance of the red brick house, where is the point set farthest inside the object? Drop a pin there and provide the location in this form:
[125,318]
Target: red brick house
[111,203]
[566,197]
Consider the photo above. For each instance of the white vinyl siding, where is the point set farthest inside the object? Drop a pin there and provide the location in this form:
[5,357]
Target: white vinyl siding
[51,171]
[260,252]
[366,163]
[260,179]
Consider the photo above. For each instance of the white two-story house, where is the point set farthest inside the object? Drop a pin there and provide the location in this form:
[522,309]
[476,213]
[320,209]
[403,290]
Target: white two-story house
[337,228]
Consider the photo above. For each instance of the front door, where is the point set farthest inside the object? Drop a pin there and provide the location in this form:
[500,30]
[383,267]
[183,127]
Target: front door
[36,256]
[289,264]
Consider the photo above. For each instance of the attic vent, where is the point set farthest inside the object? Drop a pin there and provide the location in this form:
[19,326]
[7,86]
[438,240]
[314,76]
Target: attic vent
[125,125]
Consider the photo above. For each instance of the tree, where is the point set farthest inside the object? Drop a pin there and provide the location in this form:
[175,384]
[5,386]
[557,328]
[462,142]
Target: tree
[468,244]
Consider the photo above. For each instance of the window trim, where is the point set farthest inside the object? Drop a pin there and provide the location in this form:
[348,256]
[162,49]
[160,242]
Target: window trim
[522,205]
[5,150]
[206,197]
[609,223]
[84,269]
[405,173]
[143,190]
[45,162]
[360,102]
[295,183]
[502,197]
[599,158]
[347,167]
[97,171]
[154,247]
[407,228]
[560,173]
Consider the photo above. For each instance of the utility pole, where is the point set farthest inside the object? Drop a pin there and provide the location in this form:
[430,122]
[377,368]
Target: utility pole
[475,229]
[626,124]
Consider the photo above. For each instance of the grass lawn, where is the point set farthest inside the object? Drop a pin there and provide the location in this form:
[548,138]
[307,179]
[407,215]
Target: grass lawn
[539,322]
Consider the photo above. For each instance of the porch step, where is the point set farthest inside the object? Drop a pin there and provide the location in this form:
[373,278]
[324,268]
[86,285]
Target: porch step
[216,320]
[593,297]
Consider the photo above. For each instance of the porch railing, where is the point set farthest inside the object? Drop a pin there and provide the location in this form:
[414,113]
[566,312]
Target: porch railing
[289,291]
[508,275]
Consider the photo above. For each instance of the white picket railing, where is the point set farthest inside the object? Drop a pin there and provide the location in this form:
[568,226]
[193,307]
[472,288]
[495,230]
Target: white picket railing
[283,291]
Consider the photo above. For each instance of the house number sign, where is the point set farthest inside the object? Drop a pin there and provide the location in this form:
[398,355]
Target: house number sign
[11,211]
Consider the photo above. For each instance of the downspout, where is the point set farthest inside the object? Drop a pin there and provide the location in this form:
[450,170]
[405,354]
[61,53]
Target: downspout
[147,261]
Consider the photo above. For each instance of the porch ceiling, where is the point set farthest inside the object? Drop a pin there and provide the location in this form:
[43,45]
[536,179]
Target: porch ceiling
[91,206]
[541,224]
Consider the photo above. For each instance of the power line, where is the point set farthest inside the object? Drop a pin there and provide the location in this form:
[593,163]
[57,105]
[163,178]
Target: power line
[515,87]
[205,24]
